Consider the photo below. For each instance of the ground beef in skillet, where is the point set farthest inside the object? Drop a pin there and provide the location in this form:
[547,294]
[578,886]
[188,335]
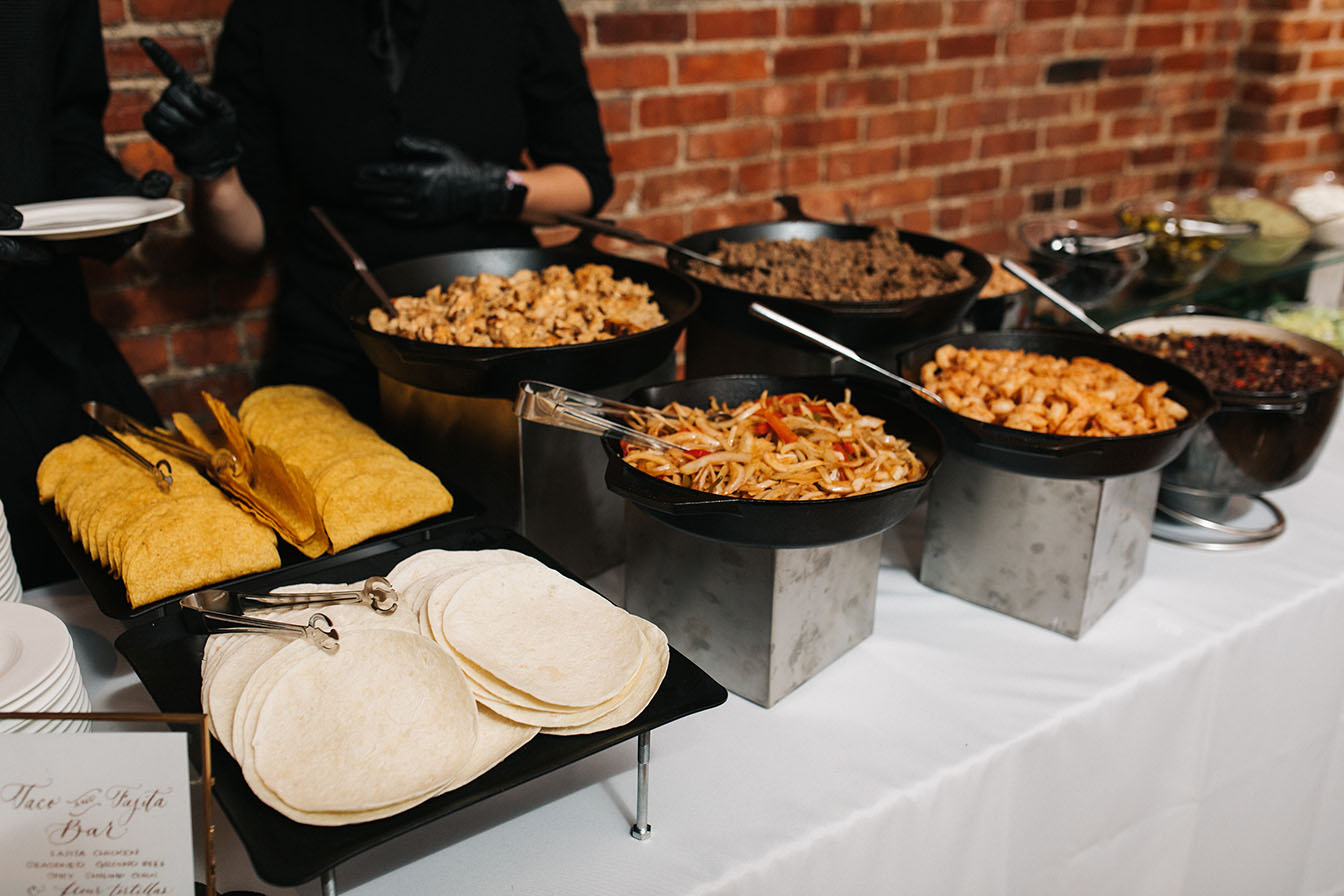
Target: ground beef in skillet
[1232,363]
[879,269]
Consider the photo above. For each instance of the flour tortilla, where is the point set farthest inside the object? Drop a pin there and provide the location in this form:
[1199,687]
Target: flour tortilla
[650,678]
[447,584]
[330,736]
[557,718]
[432,561]
[546,635]
[224,680]
[496,739]
[249,705]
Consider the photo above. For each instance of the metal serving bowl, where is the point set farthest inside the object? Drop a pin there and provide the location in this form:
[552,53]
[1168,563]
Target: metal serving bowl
[1256,441]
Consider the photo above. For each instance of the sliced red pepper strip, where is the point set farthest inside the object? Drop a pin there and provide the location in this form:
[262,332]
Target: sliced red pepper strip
[775,422]
[696,452]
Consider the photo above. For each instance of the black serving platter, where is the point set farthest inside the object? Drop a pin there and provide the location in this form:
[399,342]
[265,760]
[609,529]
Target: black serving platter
[166,654]
[110,595]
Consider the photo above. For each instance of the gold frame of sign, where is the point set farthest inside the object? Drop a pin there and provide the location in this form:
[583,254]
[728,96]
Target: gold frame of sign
[200,721]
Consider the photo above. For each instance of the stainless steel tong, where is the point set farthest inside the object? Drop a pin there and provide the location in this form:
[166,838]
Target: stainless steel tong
[376,593]
[1092,244]
[109,421]
[569,409]
[225,611]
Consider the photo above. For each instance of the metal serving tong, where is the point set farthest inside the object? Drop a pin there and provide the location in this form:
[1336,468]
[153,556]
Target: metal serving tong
[1093,244]
[225,611]
[108,421]
[568,409]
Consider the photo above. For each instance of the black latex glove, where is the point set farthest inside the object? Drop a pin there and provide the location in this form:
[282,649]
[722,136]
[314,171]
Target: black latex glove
[198,126]
[18,250]
[432,182]
[153,185]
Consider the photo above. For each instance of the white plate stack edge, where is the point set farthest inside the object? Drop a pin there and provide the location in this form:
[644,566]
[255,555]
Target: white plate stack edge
[38,670]
[10,586]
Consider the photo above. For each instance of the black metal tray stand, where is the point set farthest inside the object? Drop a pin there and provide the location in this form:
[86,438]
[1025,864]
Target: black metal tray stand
[166,654]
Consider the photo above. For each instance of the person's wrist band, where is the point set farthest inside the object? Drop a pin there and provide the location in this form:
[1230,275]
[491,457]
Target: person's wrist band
[515,192]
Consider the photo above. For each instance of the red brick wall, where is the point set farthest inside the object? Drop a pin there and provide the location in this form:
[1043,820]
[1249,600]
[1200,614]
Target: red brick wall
[952,117]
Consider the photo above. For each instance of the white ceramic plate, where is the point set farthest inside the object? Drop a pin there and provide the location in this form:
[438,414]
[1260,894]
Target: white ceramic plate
[34,650]
[68,219]
[49,691]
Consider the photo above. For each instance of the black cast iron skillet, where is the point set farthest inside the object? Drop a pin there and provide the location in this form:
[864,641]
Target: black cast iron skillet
[781,524]
[858,324]
[1067,457]
[496,372]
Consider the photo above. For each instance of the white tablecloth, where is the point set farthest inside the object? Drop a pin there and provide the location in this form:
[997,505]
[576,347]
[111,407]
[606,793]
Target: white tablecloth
[1192,742]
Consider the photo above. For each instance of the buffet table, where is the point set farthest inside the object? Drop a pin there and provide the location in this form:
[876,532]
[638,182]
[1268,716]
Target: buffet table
[1191,742]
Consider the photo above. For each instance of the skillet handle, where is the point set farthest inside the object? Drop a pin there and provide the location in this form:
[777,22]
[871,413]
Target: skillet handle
[1076,445]
[1009,441]
[618,483]
[1291,404]
[793,209]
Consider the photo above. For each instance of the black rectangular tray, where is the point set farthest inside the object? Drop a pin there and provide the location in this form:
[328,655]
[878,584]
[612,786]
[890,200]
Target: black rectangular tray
[166,654]
[110,595]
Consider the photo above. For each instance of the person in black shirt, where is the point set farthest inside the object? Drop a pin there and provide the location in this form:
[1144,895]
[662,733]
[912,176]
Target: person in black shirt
[418,126]
[53,354]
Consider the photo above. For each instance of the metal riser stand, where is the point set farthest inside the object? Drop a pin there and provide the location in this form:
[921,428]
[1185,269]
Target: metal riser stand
[761,621]
[1054,552]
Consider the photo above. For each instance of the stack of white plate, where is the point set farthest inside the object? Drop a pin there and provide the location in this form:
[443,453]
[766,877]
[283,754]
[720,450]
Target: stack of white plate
[10,586]
[38,670]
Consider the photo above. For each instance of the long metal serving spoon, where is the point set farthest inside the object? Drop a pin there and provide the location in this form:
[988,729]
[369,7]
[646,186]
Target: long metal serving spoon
[357,260]
[826,342]
[597,225]
[1052,294]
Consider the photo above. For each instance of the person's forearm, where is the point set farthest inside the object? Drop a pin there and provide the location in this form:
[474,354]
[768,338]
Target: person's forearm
[555,188]
[227,217]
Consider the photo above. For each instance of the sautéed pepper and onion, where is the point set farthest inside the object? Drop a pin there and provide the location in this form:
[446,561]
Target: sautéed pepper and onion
[790,447]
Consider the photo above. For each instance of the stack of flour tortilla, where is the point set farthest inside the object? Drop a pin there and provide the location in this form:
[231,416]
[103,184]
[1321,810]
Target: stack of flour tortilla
[485,650]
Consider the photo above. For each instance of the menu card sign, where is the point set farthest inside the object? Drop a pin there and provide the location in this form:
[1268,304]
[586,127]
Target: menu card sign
[95,814]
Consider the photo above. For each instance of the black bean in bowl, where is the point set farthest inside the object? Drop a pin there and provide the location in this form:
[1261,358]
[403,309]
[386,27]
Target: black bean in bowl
[1229,362]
